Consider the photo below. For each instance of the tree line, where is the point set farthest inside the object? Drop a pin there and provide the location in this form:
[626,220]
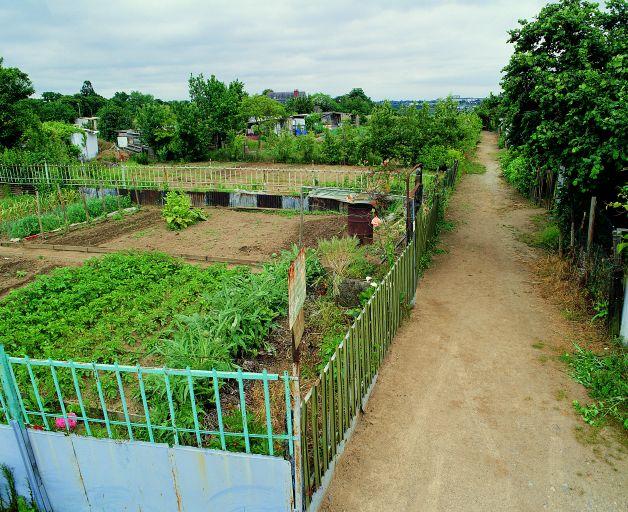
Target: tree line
[563,110]
[211,125]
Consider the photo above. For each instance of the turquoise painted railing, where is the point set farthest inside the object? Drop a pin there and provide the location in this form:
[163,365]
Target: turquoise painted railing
[235,411]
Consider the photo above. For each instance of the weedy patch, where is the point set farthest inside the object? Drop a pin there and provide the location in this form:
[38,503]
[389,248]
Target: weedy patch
[606,380]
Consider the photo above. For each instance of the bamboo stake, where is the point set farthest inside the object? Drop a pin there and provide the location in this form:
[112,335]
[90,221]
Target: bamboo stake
[65,215]
[85,205]
[41,227]
[591,223]
[102,199]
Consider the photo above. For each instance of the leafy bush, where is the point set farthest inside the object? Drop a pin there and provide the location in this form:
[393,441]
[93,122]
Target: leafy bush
[328,319]
[517,171]
[337,255]
[606,378]
[178,212]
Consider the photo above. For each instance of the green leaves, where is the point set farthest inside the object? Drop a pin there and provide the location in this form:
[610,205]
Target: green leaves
[178,212]
[564,98]
[606,378]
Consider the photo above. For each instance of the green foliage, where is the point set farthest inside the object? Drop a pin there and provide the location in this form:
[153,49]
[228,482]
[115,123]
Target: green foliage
[29,225]
[517,171]
[156,123]
[355,102]
[218,106]
[489,112]
[564,103]
[113,117]
[606,379]
[15,115]
[337,255]
[99,311]
[178,212]
[324,102]
[300,105]
[328,319]
[13,502]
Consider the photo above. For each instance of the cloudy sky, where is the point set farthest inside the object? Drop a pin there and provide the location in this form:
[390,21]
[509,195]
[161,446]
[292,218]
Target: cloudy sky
[397,49]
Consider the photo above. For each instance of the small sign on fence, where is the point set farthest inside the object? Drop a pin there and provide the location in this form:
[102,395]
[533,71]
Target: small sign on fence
[296,299]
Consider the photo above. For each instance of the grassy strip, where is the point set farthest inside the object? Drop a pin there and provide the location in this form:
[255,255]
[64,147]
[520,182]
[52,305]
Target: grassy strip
[606,379]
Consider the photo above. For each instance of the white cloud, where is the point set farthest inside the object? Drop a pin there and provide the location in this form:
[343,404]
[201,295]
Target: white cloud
[392,49]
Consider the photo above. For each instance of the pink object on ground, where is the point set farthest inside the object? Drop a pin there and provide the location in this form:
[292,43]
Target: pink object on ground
[71,422]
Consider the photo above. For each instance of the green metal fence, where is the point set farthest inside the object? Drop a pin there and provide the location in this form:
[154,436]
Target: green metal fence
[235,411]
[330,408]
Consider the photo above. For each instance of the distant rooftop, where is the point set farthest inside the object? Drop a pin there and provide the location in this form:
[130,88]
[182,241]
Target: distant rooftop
[284,96]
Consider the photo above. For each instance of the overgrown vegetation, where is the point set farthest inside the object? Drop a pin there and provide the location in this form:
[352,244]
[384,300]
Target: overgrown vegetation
[53,216]
[178,212]
[606,379]
[10,501]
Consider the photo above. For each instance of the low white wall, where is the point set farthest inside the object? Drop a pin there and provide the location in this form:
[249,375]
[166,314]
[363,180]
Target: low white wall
[88,474]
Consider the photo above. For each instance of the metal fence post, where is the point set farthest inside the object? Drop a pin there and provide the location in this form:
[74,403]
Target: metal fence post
[296,433]
[21,437]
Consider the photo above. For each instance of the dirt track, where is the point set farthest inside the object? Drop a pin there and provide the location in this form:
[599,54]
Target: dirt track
[467,415]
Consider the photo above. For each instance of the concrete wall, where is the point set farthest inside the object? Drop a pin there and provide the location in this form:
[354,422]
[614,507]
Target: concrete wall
[88,474]
[88,144]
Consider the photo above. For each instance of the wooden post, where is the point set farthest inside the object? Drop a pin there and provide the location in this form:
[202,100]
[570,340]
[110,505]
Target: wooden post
[591,223]
[102,199]
[118,200]
[41,227]
[137,197]
[65,215]
[85,205]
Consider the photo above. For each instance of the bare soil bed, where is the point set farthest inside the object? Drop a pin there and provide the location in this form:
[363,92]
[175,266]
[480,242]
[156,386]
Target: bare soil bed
[232,234]
[17,270]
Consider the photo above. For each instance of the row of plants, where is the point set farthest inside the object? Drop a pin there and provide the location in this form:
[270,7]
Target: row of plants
[57,216]
[13,207]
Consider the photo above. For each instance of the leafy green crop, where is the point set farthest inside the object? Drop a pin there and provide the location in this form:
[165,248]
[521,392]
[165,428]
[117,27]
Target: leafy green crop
[178,212]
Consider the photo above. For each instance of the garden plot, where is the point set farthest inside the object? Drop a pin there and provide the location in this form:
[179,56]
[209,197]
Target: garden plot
[228,234]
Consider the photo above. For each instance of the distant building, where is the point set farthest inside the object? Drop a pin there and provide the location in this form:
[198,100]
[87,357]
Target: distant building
[283,97]
[131,140]
[295,124]
[333,120]
[87,139]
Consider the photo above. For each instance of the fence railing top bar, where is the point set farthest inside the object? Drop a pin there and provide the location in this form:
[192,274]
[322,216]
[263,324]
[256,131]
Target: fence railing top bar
[147,370]
[88,167]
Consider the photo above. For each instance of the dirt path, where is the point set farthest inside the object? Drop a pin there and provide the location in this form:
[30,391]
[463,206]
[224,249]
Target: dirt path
[467,414]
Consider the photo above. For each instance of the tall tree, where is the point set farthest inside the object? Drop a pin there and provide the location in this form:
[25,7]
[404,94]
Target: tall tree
[16,115]
[565,101]
[264,110]
[218,105]
[300,105]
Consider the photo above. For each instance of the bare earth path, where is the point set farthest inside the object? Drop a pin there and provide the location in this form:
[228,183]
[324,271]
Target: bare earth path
[467,415]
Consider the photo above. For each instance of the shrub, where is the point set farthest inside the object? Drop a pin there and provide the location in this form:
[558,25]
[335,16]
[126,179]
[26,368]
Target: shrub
[337,255]
[178,212]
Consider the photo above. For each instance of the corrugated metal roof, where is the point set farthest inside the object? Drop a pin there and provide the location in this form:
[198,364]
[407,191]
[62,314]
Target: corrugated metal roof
[345,196]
